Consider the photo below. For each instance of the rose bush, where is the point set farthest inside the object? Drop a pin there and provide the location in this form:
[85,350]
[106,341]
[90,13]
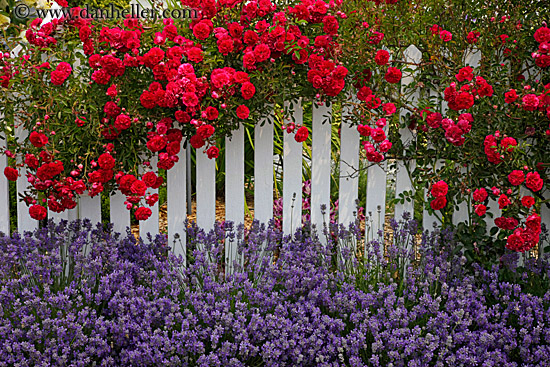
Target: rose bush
[195,81]
[131,89]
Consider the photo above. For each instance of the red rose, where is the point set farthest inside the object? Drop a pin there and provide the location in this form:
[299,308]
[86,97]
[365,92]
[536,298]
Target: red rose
[440,189]
[38,212]
[516,177]
[503,201]
[473,37]
[213,152]
[125,182]
[527,201]
[506,223]
[151,180]
[243,112]
[533,181]
[156,143]
[533,223]
[205,131]
[378,135]
[31,161]
[196,141]
[38,139]
[173,148]
[515,241]
[225,45]
[542,35]
[211,113]
[11,173]
[153,57]
[364,93]
[438,203]
[466,73]
[389,108]
[106,161]
[480,209]
[194,54]
[138,187]
[510,96]
[250,38]
[111,109]
[190,99]
[49,170]
[148,99]
[382,57]
[101,77]
[434,120]
[301,134]
[143,213]
[202,30]
[330,24]
[464,101]
[249,60]
[152,200]
[123,122]
[480,195]
[58,77]
[261,52]
[364,130]
[393,75]
[445,36]
[84,33]
[61,73]
[530,102]
[248,90]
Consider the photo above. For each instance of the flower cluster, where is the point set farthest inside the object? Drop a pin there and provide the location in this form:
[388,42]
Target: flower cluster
[454,132]
[542,57]
[439,192]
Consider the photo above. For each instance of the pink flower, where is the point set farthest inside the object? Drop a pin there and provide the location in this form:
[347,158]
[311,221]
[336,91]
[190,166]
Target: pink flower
[445,36]
[243,112]
[393,75]
[439,189]
[389,108]
[382,57]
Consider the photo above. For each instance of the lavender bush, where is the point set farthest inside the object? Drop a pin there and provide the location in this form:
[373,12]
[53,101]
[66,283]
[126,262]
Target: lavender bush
[72,295]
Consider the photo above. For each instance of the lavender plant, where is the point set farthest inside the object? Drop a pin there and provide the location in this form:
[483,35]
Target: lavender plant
[73,295]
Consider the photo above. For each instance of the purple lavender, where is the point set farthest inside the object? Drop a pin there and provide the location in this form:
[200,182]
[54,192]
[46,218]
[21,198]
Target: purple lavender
[73,295]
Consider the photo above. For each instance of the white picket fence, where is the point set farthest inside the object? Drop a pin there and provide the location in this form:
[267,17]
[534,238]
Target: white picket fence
[263,182]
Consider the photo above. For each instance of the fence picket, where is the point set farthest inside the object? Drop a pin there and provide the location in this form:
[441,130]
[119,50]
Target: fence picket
[24,220]
[349,164]
[234,191]
[120,216]
[151,225]
[263,171]
[177,204]
[4,190]
[206,190]
[90,208]
[320,166]
[403,180]
[376,199]
[292,176]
